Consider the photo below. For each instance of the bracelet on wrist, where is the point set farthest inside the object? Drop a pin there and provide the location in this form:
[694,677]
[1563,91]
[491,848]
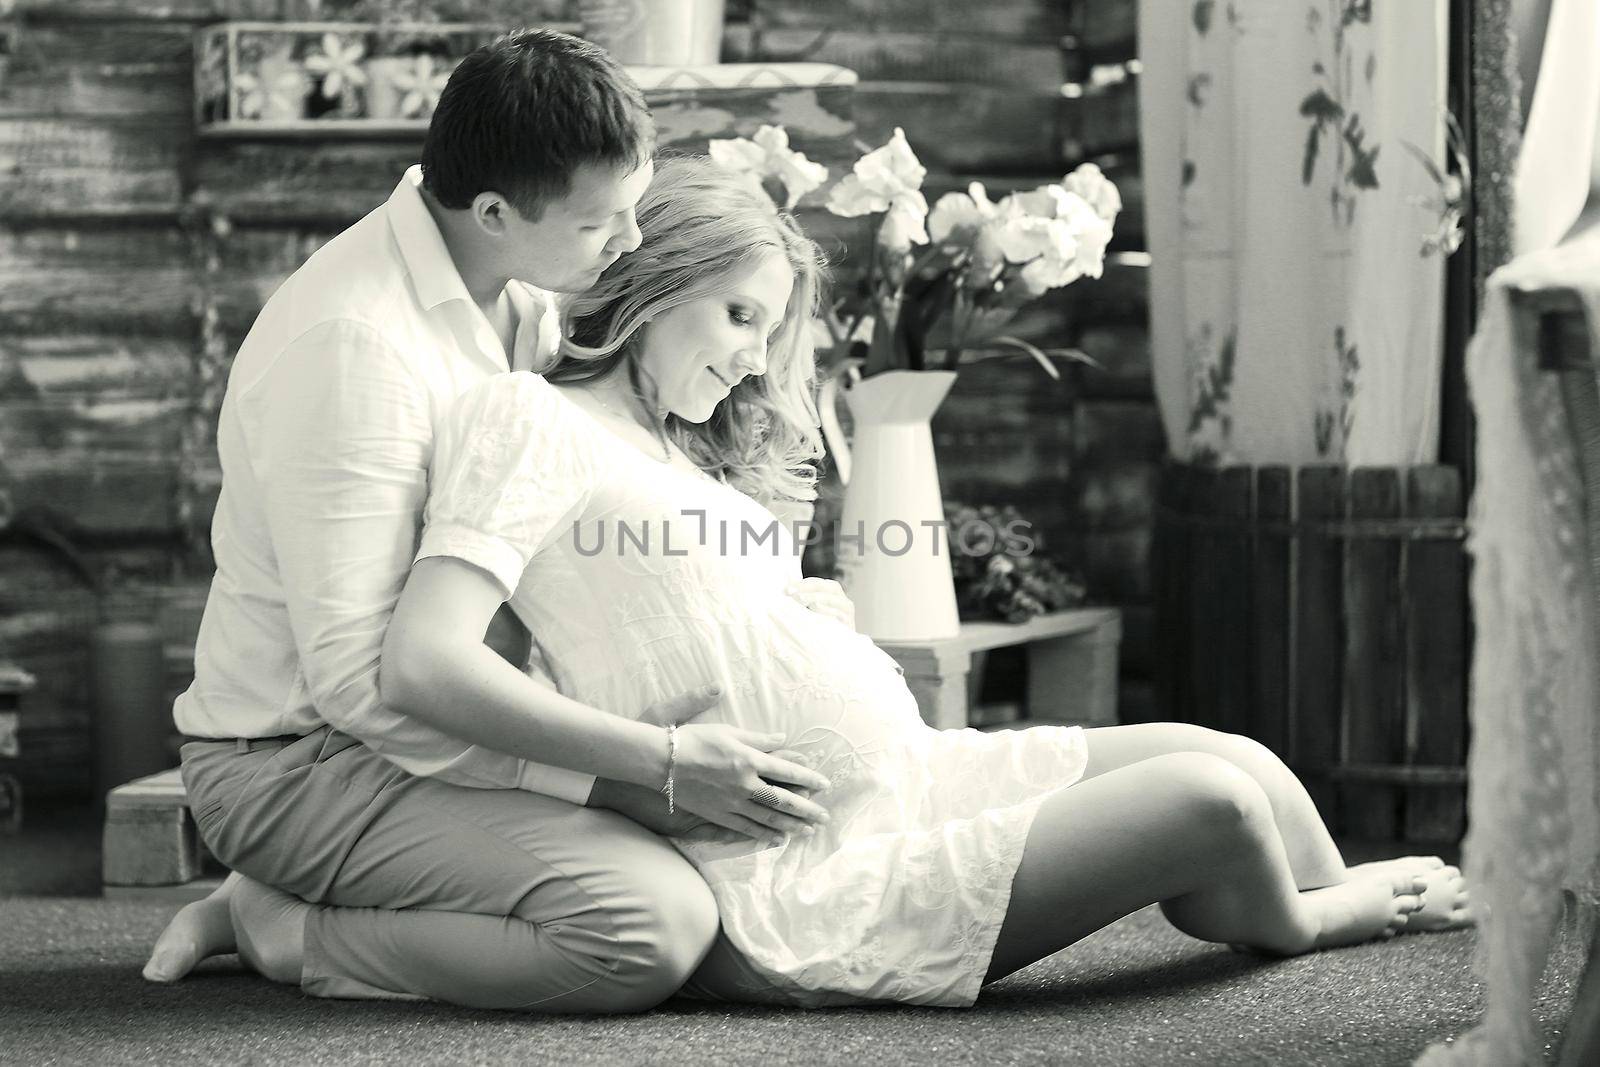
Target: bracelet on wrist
[672,759]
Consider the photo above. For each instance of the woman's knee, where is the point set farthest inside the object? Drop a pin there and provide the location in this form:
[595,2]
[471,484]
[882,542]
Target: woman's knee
[1224,804]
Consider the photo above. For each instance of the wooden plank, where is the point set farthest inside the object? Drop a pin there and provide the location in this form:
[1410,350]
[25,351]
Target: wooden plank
[138,425]
[1208,586]
[52,165]
[1019,19]
[1104,24]
[1169,579]
[109,495]
[77,280]
[52,11]
[1374,670]
[1437,619]
[1111,430]
[99,71]
[95,367]
[1319,638]
[1103,119]
[1120,296]
[1123,352]
[1235,605]
[965,128]
[1273,623]
[916,55]
[1114,494]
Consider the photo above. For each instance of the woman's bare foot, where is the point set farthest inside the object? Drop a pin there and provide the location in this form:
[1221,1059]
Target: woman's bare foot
[1375,905]
[1446,903]
[1364,908]
[1423,865]
[201,929]
[270,927]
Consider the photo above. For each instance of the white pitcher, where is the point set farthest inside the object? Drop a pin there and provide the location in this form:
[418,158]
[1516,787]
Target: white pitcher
[893,550]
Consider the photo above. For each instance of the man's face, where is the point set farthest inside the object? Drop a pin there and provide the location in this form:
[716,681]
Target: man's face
[580,235]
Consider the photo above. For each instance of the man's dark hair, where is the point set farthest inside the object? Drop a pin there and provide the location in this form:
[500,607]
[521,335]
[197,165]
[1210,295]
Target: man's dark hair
[520,115]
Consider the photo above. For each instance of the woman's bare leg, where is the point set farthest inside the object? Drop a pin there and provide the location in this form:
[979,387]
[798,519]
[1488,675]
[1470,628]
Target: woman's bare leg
[1191,831]
[1313,857]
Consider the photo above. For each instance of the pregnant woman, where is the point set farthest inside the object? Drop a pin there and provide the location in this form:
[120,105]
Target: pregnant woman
[628,500]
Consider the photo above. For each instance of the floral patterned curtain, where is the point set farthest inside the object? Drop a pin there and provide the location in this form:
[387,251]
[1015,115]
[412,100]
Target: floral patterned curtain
[1297,281]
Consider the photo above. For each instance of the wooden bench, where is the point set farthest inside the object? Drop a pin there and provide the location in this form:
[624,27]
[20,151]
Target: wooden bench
[1071,665]
[151,849]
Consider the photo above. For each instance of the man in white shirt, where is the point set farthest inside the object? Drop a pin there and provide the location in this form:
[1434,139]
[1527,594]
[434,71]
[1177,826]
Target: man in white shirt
[437,869]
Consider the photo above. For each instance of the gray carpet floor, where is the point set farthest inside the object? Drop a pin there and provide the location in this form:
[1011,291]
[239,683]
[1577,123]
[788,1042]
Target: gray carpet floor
[1136,993]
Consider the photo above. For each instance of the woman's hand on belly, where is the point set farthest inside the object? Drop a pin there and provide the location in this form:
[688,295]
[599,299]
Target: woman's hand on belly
[825,597]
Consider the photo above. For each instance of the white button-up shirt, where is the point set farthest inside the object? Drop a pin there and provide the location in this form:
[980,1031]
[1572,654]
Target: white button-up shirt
[325,435]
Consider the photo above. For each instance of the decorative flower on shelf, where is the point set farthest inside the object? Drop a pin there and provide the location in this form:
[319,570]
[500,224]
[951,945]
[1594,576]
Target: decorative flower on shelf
[338,64]
[767,157]
[421,83]
[275,90]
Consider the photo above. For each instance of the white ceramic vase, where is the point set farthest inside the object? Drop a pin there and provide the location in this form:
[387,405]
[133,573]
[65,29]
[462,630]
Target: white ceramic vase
[893,551]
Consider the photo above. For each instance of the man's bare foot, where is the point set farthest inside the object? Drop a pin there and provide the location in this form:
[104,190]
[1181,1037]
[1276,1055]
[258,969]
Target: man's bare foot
[203,928]
[270,927]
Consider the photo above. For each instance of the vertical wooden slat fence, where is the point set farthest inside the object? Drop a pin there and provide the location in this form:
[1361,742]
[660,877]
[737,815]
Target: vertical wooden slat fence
[1324,612]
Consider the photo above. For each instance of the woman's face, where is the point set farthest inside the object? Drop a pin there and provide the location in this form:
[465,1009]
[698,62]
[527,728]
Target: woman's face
[697,352]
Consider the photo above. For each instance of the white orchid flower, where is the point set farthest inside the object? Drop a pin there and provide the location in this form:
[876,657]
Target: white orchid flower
[959,217]
[1089,182]
[1056,234]
[1090,229]
[878,178]
[338,64]
[905,223]
[769,154]
[421,85]
[971,221]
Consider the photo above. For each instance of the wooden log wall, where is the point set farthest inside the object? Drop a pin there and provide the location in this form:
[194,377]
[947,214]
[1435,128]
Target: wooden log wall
[133,257]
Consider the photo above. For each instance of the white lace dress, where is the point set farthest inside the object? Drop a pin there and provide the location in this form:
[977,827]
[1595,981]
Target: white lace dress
[642,580]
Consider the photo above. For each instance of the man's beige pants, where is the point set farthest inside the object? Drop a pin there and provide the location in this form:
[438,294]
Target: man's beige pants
[420,889]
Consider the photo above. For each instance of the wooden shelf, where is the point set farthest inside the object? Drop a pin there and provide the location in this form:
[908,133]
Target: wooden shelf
[1072,667]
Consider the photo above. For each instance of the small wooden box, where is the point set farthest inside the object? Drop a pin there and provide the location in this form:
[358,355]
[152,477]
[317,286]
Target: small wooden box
[150,838]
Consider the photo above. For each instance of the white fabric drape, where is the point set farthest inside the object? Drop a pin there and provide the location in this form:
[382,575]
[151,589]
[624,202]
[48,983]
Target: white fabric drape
[1293,316]
[1533,806]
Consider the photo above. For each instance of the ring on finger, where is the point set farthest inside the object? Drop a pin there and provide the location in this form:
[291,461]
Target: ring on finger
[767,797]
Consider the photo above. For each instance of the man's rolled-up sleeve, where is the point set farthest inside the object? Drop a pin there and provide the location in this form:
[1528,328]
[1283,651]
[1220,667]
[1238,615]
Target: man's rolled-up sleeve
[342,434]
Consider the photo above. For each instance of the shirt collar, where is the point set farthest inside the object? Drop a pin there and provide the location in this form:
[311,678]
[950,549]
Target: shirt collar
[422,248]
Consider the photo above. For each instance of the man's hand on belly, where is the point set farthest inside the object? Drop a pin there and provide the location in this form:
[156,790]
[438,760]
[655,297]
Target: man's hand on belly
[826,597]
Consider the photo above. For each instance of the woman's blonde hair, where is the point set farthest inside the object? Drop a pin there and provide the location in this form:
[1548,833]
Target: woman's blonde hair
[701,225]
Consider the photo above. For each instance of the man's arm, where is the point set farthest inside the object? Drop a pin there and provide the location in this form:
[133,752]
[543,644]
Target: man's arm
[340,433]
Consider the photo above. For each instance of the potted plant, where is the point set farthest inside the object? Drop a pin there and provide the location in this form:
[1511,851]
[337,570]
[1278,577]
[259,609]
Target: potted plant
[966,267]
